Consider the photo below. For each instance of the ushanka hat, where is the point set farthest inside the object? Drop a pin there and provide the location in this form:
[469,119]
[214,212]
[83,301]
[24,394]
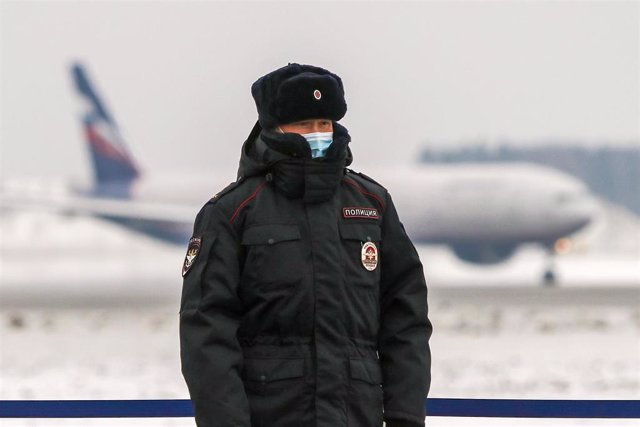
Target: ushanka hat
[297,92]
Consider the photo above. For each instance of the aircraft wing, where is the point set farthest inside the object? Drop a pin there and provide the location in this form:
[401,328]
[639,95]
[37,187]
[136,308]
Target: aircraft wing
[102,207]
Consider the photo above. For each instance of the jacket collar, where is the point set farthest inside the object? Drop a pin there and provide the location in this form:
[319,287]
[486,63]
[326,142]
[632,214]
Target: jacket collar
[285,160]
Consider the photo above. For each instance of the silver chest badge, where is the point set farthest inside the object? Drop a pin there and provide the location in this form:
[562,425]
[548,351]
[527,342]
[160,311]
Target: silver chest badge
[369,256]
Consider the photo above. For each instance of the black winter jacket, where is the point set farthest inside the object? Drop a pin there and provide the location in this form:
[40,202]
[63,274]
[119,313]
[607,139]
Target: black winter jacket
[304,302]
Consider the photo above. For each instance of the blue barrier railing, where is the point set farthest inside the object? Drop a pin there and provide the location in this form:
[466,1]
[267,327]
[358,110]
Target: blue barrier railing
[436,407]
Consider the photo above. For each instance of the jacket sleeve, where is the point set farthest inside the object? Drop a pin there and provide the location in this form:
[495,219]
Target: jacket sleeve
[210,312]
[405,329]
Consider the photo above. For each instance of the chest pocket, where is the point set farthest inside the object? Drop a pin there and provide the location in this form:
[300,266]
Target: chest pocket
[274,254]
[361,244]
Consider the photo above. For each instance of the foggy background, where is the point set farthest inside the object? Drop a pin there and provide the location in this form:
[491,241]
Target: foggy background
[178,75]
[423,81]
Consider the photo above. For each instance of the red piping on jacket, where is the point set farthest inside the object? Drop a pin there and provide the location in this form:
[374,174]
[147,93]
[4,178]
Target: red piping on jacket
[256,191]
[360,189]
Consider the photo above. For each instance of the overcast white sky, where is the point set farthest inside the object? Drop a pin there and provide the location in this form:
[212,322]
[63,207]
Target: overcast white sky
[176,75]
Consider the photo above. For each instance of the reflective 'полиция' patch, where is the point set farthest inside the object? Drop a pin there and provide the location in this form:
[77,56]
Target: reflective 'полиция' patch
[360,212]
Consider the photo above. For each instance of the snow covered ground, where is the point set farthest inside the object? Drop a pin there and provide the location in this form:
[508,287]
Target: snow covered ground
[479,351]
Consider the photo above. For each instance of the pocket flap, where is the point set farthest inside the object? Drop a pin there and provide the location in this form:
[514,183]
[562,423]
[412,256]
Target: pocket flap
[361,232]
[268,234]
[366,370]
[273,369]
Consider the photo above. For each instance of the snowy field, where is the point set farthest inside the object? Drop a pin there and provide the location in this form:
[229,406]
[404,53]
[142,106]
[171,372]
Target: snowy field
[88,311]
[490,351]
[479,351]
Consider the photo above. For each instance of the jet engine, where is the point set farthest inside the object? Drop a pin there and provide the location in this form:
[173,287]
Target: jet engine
[484,253]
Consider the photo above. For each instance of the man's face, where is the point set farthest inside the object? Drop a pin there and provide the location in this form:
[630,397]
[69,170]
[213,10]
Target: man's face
[308,126]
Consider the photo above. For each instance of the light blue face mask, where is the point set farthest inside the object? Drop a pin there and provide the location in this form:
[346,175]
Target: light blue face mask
[319,142]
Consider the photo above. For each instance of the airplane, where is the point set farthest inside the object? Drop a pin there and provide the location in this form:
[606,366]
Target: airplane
[482,212]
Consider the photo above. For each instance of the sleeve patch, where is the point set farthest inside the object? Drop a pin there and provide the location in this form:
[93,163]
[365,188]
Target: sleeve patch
[195,243]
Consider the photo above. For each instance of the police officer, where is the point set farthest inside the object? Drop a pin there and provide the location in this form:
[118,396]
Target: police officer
[304,303]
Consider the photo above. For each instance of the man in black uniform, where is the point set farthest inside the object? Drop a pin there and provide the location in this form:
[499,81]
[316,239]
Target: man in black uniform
[304,302]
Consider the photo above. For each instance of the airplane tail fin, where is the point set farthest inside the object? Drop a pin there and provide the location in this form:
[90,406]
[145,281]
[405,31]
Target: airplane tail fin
[112,163]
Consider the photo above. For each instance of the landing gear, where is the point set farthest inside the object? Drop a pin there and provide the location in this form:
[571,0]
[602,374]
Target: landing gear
[549,278]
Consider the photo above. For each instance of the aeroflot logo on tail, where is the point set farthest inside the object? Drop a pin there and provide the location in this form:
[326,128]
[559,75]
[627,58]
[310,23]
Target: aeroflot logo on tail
[356,212]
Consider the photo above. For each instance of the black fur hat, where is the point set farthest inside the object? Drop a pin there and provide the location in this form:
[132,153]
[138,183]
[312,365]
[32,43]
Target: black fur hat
[297,92]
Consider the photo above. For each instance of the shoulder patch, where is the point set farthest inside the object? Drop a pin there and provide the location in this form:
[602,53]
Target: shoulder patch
[225,190]
[192,252]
